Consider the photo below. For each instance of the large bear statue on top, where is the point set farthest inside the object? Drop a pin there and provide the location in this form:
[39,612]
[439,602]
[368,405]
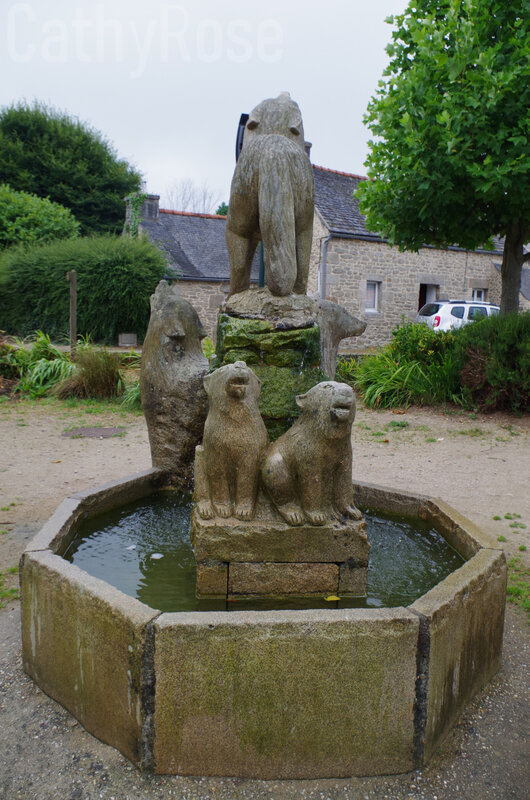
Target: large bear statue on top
[307,472]
[272,199]
[173,397]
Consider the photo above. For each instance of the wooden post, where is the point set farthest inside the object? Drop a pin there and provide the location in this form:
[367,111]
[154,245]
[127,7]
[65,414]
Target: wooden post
[71,277]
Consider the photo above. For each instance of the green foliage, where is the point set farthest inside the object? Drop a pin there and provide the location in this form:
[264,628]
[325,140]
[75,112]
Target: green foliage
[26,219]
[37,365]
[97,374]
[494,359]
[208,347]
[449,161]
[131,395]
[386,383]
[47,153]
[485,365]
[518,589]
[222,210]
[115,278]
[136,202]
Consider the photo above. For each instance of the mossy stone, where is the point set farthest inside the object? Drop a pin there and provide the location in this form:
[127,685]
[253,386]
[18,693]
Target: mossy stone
[287,362]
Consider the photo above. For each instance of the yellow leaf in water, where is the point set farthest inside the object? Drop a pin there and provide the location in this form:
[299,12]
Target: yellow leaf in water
[332,598]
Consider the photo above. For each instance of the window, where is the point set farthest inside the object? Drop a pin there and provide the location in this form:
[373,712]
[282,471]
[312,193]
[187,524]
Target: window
[480,295]
[372,295]
[458,312]
[477,312]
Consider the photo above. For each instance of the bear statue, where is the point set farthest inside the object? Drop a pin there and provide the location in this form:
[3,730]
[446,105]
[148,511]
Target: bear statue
[228,461]
[307,472]
[171,389]
[272,199]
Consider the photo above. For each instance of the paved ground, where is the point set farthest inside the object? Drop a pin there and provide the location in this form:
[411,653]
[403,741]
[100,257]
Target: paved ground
[480,465]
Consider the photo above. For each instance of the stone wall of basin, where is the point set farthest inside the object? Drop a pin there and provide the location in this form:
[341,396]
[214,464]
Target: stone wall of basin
[278,694]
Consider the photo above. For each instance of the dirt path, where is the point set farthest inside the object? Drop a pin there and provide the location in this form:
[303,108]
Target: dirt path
[479,464]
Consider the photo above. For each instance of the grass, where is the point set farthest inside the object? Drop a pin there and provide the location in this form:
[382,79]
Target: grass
[8,593]
[518,589]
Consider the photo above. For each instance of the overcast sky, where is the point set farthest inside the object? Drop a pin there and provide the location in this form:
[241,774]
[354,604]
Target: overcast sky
[166,82]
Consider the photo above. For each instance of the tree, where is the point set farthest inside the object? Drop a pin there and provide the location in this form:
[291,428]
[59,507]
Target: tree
[45,152]
[222,211]
[27,219]
[450,164]
[186,195]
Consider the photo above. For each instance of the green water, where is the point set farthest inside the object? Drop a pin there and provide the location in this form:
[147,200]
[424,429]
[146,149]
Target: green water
[144,549]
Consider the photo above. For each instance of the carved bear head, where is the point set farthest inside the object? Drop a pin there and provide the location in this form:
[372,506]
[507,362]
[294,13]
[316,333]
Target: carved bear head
[235,381]
[174,323]
[279,115]
[328,408]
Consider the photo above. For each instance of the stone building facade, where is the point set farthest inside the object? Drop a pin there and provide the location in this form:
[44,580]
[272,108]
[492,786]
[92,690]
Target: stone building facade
[349,264]
[375,282]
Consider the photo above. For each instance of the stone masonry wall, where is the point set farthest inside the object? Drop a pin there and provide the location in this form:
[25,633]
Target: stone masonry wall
[350,263]
[205,297]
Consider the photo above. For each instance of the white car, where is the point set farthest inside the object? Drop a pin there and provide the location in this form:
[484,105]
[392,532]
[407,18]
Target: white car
[444,315]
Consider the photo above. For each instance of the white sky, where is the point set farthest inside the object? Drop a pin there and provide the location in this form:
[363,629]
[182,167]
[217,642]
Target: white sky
[166,82]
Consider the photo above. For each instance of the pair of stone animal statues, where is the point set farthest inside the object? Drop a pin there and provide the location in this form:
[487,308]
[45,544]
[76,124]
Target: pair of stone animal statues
[306,473]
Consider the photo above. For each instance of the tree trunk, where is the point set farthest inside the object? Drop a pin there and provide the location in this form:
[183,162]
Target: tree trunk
[512,263]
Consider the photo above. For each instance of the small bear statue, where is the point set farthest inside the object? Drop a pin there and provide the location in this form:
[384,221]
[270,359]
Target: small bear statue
[228,461]
[307,472]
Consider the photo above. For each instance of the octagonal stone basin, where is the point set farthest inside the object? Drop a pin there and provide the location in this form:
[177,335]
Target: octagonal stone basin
[263,694]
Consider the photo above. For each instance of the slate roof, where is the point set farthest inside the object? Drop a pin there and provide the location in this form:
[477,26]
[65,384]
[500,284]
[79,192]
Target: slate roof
[336,204]
[339,209]
[193,243]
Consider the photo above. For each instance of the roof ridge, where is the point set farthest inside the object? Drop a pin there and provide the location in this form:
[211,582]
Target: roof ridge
[338,172]
[191,214]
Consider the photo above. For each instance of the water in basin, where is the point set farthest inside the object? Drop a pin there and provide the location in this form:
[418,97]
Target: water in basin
[144,550]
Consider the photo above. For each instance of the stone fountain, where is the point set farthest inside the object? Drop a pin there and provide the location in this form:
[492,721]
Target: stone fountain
[265,694]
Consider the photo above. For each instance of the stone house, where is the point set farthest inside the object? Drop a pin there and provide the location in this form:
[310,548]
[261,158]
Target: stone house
[349,264]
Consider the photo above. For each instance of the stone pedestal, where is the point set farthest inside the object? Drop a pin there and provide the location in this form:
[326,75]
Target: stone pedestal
[266,557]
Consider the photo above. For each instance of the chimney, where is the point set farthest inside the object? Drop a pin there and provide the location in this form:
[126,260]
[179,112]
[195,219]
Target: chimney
[149,209]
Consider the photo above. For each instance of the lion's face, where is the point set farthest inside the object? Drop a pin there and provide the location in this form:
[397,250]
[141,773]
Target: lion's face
[330,407]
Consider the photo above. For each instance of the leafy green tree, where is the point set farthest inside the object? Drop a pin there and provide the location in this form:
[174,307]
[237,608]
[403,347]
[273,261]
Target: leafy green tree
[45,152]
[27,219]
[450,163]
[222,210]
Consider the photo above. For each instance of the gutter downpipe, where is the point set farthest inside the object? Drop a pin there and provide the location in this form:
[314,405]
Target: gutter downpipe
[323,267]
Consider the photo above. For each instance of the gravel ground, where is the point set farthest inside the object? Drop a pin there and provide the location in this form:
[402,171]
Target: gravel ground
[479,464]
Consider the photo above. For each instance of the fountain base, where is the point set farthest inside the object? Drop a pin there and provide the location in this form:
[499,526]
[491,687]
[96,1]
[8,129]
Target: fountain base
[267,557]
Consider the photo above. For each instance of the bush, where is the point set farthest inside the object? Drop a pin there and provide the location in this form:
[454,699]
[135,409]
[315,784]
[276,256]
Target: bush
[115,278]
[484,365]
[96,374]
[494,360]
[36,367]
[27,219]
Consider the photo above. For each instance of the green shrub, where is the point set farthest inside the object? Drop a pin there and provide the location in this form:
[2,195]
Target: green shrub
[494,361]
[385,383]
[115,278]
[485,365]
[27,219]
[96,374]
[37,364]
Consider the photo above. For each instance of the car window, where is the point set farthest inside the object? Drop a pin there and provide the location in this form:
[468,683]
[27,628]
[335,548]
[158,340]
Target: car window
[429,309]
[493,312]
[477,312]
[458,312]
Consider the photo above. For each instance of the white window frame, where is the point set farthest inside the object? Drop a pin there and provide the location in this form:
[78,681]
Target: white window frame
[479,295]
[377,297]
